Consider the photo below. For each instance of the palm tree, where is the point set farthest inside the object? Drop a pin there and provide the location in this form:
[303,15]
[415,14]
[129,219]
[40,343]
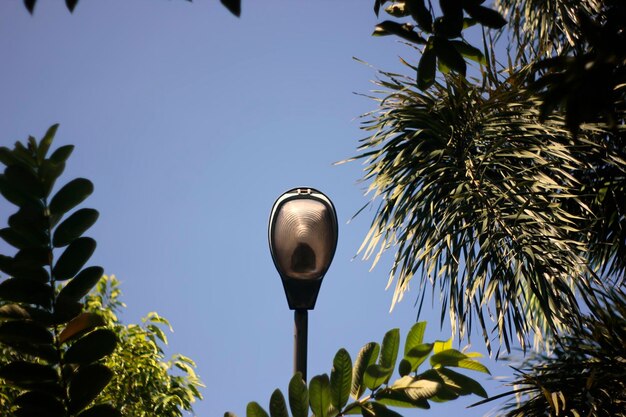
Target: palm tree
[585,375]
[499,190]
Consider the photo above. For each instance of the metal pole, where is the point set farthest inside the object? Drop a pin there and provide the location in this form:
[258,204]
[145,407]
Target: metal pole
[301,320]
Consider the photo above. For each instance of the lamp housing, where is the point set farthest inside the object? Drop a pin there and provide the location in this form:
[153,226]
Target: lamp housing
[302,238]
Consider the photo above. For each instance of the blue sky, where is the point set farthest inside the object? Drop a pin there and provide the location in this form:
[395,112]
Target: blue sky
[190,123]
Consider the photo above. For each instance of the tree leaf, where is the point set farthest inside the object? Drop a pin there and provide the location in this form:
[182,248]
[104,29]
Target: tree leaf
[61,154]
[85,322]
[86,385]
[26,291]
[420,14]
[74,226]
[376,409]
[441,345]
[376,375]
[49,172]
[462,384]
[71,4]
[101,410]
[92,347]
[24,331]
[452,357]
[298,396]
[319,395]
[30,5]
[389,27]
[23,179]
[233,6]
[39,403]
[25,374]
[389,350]
[278,406]
[485,16]
[417,355]
[416,389]
[20,239]
[366,357]
[426,68]
[447,53]
[46,141]
[73,258]
[255,410]
[340,379]
[400,399]
[468,51]
[415,336]
[68,197]
[82,283]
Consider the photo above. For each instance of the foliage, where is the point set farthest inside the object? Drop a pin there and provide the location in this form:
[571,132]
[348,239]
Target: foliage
[494,189]
[234,6]
[56,349]
[371,372]
[586,374]
[145,384]
[445,48]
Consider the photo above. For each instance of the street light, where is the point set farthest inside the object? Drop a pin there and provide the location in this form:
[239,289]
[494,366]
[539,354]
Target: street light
[303,238]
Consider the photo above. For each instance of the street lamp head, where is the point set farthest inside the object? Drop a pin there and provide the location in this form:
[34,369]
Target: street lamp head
[303,238]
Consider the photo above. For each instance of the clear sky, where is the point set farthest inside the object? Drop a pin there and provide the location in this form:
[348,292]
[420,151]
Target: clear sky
[191,122]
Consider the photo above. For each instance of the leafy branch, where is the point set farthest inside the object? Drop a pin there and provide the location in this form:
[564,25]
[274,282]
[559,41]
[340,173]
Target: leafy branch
[59,348]
[368,381]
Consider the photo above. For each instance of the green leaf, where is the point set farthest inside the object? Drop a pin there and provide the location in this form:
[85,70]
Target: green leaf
[46,141]
[389,350]
[20,239]
[39,403]
[426,69]
[71,4]
[82,283]
[25,374]
[416,389]
[421,14]
[468,51]
[376,375]
[319,395]
[68,197]
[74,226]
[340,379]
[447,53]
[452,357]
[233,6]
[49,172]
[23,331]
[298,396]
[26,291]
[462,384]
[73,258]
[405,367]
[400,399]
[255,410]
[441,345]
[229,414]
[101,410]
[486,16]
[376,409]
[61,154]
[415,336]
[366,357]
[389,27]
[87,384]
[92,347]
[418,354]
[24,179]
[278,406]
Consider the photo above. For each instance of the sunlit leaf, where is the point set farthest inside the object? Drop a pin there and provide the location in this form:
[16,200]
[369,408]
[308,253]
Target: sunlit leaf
[298,396]
[319,395]
[366,357]
[340,379]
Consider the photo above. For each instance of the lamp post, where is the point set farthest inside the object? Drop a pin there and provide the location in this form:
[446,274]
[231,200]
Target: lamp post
[303,238]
